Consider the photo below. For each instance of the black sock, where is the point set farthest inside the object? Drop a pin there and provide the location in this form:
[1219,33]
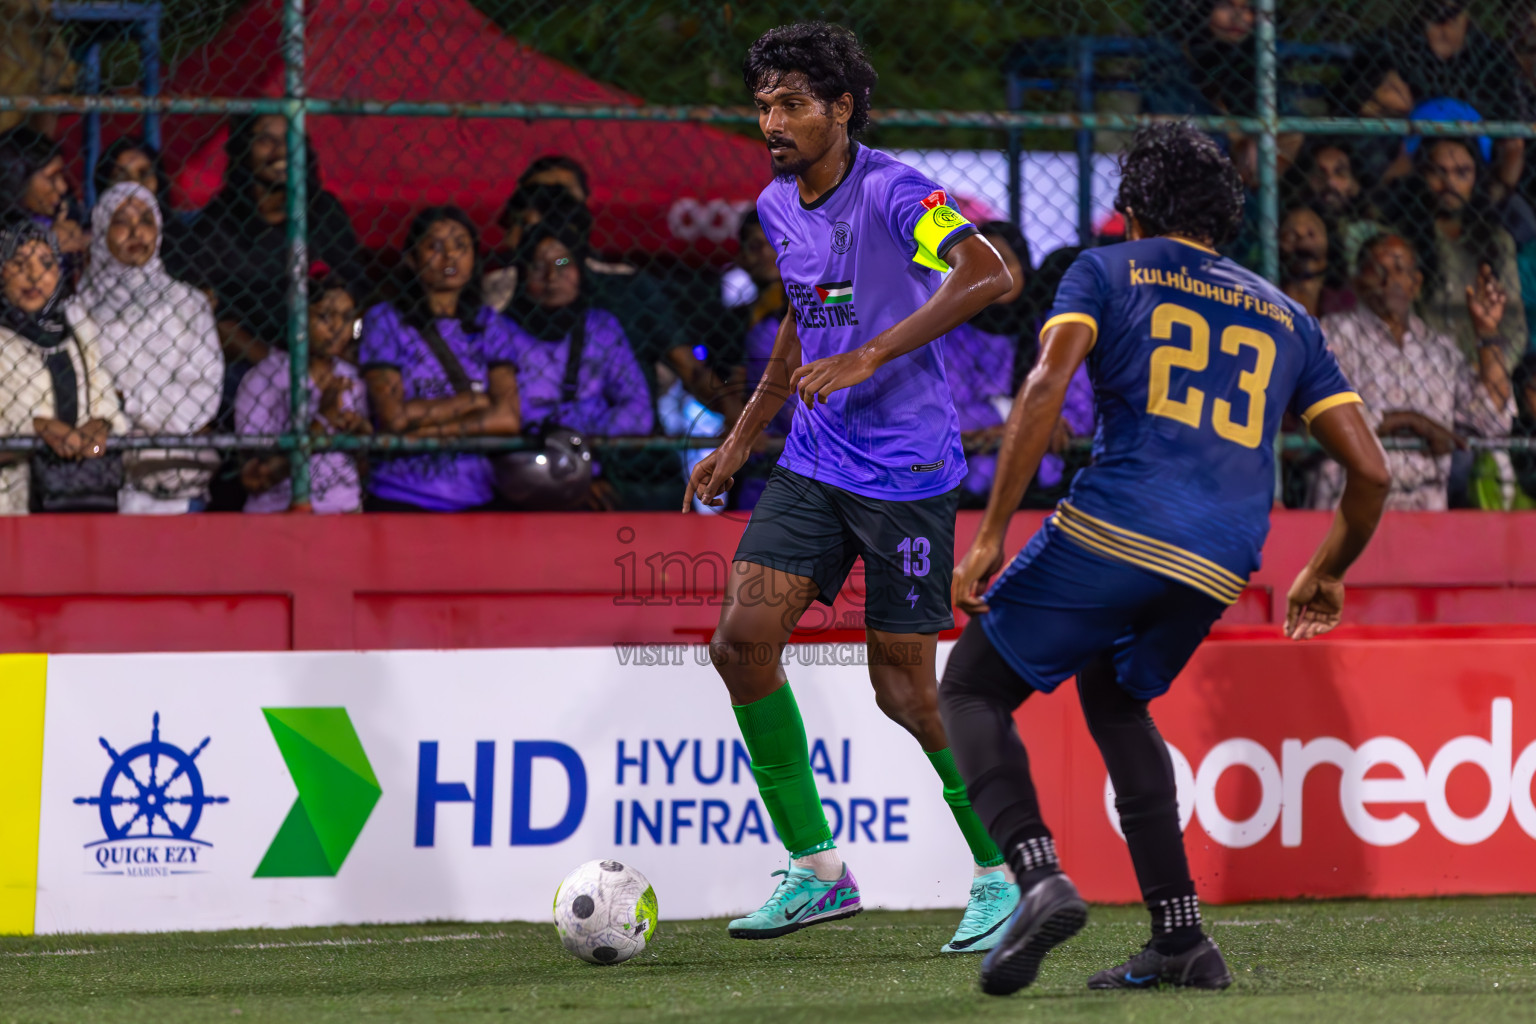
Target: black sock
[1032,860]
[1147,802]
[1176,923]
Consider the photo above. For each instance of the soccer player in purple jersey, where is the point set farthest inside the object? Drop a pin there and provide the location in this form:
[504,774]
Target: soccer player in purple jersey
[878,266]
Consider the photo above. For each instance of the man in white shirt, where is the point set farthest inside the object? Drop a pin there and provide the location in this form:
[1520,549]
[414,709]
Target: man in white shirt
[1414,381]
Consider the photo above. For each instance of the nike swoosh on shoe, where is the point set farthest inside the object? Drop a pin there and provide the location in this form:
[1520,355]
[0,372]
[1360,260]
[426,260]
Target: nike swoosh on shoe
[968,943]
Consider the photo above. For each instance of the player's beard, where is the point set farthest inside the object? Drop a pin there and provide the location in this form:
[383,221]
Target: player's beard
[790,169]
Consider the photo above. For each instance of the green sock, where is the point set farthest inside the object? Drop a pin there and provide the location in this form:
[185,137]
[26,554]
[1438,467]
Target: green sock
[781,763]
[983,849]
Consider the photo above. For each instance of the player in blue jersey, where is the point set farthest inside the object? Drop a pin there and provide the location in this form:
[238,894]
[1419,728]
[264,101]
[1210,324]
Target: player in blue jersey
[878,266]
[1194,361]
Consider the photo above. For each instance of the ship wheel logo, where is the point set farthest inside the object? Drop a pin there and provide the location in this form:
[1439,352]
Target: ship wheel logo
[152,791]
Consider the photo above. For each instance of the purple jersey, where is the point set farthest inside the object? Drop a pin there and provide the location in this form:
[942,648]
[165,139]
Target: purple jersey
[857,261]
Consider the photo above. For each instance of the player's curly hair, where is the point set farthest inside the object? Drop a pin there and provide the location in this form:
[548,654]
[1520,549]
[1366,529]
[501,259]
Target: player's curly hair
[829,56]
[1177,181]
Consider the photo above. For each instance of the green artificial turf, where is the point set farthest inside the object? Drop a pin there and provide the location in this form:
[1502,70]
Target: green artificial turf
[1340,962]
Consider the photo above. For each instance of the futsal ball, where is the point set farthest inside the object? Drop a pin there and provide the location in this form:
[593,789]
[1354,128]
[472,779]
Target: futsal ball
[605,912]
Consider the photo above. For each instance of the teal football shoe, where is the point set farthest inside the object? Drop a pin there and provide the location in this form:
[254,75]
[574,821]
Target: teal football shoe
[993,899]
[800,900]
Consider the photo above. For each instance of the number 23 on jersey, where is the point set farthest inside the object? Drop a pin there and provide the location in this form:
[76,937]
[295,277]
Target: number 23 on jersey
[1190,409]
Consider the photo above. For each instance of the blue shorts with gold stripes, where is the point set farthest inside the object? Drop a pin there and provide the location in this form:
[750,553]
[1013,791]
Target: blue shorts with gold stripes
[1060,604]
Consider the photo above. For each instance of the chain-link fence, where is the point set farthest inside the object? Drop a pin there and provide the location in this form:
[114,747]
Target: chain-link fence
[303,252]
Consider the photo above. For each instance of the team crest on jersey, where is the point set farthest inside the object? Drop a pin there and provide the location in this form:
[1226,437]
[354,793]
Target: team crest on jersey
[842,237]
[935,199]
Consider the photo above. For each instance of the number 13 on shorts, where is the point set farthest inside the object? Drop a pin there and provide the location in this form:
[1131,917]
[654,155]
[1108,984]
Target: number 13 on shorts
[914,556]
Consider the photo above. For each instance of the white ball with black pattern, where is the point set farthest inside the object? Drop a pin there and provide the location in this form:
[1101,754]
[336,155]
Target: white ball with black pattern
[605,912]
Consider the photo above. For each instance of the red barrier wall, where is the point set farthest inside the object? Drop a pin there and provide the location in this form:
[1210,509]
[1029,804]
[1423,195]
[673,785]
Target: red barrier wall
[231,582]
[1346,768]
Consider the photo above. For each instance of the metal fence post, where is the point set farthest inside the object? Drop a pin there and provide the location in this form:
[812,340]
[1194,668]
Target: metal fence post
[298,257]
[1269,178]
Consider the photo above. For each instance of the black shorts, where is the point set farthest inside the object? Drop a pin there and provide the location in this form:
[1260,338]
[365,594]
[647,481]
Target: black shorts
[807,528]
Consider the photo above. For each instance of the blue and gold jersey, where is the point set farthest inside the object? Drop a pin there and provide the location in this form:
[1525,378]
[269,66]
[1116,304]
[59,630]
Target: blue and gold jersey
[1195,361]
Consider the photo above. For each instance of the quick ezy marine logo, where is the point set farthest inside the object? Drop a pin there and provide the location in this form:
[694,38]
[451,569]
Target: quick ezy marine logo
[150,804]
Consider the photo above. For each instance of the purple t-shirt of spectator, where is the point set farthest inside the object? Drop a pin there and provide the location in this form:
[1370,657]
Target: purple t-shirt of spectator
[612,397]
[447,482]
[262,407]
[759,350]
[979,365]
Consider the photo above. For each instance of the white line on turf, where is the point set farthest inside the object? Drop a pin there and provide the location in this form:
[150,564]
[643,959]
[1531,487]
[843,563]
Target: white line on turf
[409,940]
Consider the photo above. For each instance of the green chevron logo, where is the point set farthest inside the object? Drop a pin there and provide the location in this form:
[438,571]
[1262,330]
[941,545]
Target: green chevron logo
[337,792]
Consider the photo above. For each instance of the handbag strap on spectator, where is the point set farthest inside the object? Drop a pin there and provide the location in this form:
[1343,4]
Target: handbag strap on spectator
[573,360]
[458,379]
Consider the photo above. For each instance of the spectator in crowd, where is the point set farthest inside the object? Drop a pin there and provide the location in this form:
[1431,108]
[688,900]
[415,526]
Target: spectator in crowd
[240,241]
[1203,61]
[1513,210]
[438,363]
[561,172]
[979,362]
[1413,379]
[656,332]
[33,185]
[337,399]
[548,316]
[753,284]
[524,208]
[1304,264]
[131,159]
[755,289]
[1524,461]
[1445,212]
[53,384]
[159,345]
[1334,190]
[1442,54]
[1370,85]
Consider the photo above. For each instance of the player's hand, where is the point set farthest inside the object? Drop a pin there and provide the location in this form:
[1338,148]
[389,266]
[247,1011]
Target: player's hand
[1316,603]
[713,476]
[975,571]
[817,380]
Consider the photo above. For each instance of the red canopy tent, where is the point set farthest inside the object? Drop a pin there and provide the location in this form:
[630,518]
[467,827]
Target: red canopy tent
[656,187]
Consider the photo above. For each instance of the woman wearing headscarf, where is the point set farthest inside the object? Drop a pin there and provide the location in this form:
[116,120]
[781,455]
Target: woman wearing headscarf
[159,343]
[52,381]
[133,159]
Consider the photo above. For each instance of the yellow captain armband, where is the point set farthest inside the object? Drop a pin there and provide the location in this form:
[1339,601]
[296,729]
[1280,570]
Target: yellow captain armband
[942,223]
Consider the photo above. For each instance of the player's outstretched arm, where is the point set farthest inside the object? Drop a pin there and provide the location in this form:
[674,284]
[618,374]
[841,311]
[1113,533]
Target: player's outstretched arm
[1026,437]
[714,474]
[976,279]
[1317,597]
